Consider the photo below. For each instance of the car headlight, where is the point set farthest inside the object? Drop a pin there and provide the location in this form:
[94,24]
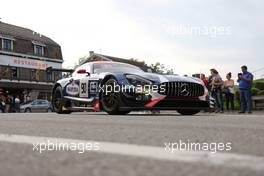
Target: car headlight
[137,80]
[206,92]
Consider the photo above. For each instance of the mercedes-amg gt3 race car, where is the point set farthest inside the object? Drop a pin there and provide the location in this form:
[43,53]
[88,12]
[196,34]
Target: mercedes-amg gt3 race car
[118,88]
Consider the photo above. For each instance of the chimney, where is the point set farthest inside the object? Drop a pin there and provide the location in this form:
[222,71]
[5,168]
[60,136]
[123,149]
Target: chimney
[91,53]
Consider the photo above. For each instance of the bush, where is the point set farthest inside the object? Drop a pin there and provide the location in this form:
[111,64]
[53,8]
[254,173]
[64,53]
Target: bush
[237,95]
[259,85]
[255,91]
[261,92]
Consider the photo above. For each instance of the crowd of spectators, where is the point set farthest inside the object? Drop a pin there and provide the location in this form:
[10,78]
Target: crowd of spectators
[219,87]
[9,103]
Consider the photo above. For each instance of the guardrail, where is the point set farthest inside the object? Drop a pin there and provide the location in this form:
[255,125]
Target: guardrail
[258,102]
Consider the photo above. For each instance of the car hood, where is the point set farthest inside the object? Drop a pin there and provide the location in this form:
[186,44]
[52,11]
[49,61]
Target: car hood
[159,78]
[169,78]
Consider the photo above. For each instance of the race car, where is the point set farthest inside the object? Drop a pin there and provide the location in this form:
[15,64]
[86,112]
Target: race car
[118,88]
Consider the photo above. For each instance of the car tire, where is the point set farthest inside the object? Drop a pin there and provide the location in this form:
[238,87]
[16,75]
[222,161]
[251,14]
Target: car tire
[112,101]
[27,110]
[188,111]
[57,101]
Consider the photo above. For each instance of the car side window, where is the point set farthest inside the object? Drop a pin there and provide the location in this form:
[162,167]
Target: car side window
[44,102]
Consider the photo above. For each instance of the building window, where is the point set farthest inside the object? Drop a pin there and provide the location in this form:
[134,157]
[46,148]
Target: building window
[14,72]
[37,75]
[7,44]
[33,75]
[49,75]
[39,50]
[5,73]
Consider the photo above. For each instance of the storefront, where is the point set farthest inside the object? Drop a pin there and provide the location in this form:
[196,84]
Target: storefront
[28,77]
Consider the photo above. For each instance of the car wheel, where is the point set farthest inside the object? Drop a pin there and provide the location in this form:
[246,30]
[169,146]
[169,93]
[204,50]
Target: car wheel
[57,101]
[111,100]
[188,111]
[28,110]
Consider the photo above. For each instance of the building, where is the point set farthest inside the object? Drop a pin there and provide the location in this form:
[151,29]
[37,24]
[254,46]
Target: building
[24,57]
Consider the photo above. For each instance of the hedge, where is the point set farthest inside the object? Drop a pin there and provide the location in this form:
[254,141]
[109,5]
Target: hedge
[261,92]
[259,85]
[255,91]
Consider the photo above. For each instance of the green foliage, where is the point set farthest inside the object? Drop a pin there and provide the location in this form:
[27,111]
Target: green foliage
[237,94]
[255,91]
[157,67]
[160,68]
[261,92]
[259,85]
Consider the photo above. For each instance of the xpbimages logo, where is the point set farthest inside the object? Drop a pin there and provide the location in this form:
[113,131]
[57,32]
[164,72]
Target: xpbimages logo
[213,147]
[146,89]
[79,147]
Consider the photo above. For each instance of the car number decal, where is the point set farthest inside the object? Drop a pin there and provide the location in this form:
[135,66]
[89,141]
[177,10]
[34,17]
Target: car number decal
[84,87]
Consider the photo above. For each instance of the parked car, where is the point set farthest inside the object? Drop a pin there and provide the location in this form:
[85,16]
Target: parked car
[138,90]
[37,105]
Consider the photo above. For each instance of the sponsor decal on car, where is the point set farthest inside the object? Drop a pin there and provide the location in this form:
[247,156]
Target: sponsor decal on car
[72,89]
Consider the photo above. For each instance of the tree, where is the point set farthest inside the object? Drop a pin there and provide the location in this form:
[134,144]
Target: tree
[160,68]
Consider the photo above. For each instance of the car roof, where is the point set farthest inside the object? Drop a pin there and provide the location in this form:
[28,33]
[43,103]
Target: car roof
[40,100]
[104,62]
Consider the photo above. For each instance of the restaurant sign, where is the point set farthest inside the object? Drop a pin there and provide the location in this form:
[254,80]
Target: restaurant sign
[27,63]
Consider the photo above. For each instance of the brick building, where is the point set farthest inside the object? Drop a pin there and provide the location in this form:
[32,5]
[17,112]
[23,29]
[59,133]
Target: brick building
[24,57]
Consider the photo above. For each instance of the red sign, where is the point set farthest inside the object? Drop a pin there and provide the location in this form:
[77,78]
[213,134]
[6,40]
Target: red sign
[37,64]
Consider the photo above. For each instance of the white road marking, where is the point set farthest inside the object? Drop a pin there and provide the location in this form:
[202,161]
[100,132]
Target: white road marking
[150,152]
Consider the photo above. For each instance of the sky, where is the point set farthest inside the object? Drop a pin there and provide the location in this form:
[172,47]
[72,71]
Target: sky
[189,36]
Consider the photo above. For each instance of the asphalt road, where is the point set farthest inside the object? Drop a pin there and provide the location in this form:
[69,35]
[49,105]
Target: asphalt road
[132,145]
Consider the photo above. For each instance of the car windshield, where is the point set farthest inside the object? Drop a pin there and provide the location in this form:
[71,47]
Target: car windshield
[115,67]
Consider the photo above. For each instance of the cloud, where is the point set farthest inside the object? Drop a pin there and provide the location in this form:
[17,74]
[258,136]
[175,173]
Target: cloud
[139,29]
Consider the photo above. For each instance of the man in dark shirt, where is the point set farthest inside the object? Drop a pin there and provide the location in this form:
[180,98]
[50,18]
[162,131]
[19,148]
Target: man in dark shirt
[245,81]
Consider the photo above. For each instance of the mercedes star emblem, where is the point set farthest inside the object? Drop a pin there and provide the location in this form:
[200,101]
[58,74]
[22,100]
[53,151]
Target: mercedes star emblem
[185,90]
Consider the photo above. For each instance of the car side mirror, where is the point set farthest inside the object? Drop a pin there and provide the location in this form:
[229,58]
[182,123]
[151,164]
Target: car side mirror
[83,71]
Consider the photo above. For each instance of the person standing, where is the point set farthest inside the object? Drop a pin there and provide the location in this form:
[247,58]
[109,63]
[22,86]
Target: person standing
[205,81]
[2,104]
[245,81]
[229,91]
[217,84]
[8,104]
[17,104]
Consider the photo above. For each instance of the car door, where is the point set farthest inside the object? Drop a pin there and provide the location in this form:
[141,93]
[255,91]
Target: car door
[42,106]
[35,106]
